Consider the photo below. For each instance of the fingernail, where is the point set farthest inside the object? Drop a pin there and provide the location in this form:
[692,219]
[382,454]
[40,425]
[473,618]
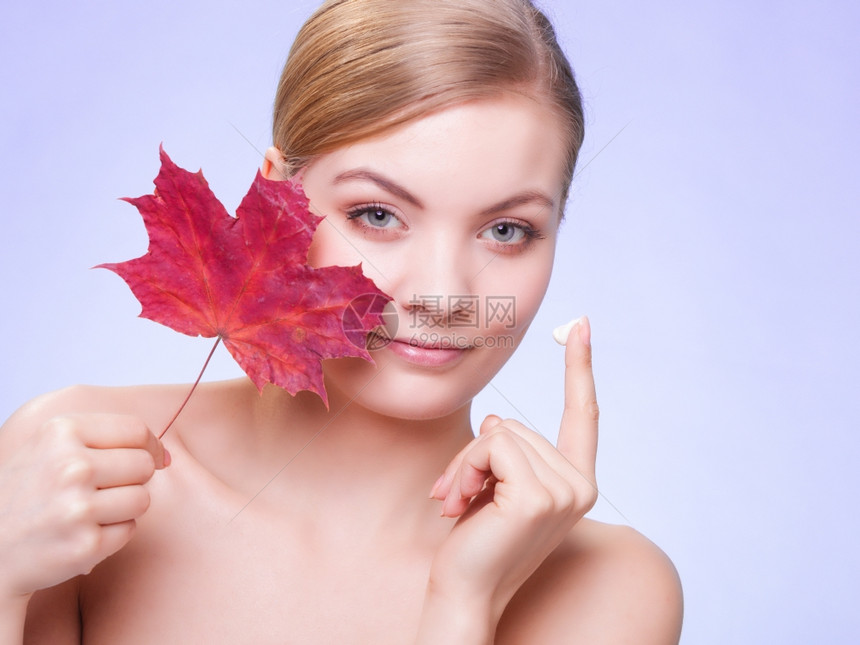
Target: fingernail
[561,333]
[442,509]
[585,331]
[167,458]
[436,486]
[450,500]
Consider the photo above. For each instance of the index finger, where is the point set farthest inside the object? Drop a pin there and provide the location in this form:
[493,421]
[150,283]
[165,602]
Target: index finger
[122,431]
[577,437]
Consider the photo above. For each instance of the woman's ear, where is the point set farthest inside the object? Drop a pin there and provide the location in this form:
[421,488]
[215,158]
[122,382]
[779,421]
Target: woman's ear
[274,167]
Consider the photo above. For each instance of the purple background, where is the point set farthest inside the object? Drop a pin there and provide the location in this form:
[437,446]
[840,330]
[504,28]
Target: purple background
[713,243]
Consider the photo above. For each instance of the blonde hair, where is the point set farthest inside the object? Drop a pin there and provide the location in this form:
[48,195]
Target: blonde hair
[359,68]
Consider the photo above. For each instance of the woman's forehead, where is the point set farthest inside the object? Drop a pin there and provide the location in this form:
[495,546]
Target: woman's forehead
[492,146]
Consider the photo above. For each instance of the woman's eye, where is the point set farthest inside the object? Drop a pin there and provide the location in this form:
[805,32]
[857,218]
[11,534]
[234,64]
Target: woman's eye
[374,217]
[510,234]
[506,232]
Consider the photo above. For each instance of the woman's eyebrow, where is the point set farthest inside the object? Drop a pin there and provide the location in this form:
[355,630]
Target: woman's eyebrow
[383,182]
[521,199]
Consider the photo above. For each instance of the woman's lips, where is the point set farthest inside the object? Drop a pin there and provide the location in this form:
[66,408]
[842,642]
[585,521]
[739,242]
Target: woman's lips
[425,355]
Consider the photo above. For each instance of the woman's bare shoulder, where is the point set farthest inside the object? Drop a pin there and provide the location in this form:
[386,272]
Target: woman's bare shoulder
[152,403]
[604,584]
[86,399]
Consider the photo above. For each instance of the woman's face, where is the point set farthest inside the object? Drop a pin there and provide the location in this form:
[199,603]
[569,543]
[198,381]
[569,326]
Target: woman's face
[455,216]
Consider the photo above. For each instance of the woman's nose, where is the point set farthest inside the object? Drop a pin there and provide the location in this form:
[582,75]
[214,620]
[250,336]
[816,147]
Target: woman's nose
[436,289]
[440,311]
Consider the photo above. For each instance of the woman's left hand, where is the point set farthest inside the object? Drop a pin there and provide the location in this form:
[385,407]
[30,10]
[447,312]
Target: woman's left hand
[516,496]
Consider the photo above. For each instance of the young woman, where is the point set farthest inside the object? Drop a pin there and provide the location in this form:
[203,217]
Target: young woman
[438,138]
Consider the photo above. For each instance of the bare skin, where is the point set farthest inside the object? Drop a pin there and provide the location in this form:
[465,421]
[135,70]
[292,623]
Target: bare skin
[294,568]
[380,520]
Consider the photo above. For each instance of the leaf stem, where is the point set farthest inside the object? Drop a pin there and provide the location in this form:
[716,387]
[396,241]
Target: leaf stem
[193,387]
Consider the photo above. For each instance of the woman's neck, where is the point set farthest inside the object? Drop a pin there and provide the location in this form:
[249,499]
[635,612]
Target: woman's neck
[346,465]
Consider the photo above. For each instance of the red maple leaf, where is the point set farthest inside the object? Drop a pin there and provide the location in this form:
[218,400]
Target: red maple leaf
[245,279]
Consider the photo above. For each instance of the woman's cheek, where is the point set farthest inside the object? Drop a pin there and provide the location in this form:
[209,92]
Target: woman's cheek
[515,301]
[330,248]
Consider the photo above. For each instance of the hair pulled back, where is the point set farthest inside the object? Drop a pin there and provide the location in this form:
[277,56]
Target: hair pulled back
[359,68]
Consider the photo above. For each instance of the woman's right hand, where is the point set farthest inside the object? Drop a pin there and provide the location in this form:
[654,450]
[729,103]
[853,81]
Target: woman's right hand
[70,492]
